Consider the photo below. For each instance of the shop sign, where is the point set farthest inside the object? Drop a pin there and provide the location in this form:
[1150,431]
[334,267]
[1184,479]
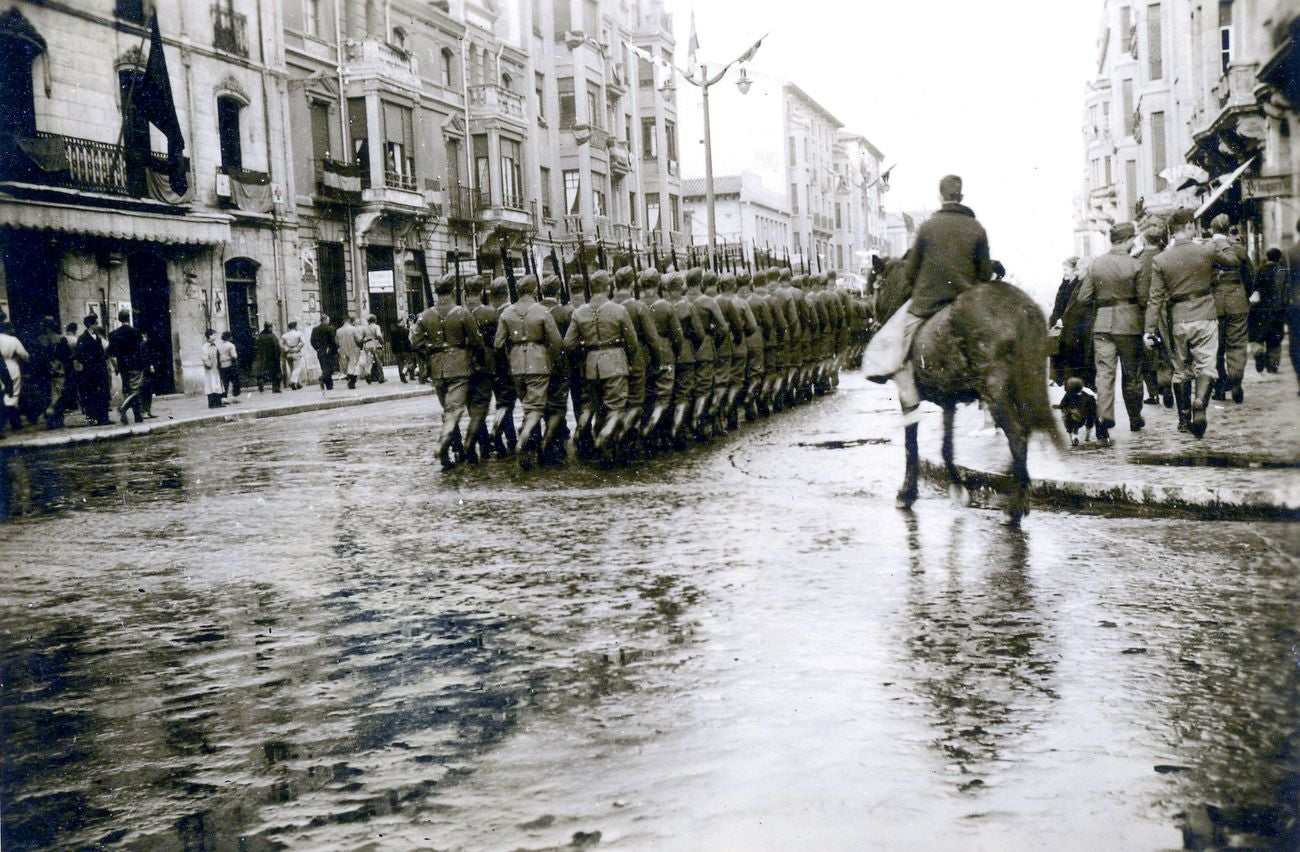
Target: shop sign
[1271,186]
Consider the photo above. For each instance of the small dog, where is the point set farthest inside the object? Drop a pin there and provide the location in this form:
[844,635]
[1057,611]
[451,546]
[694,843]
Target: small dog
[1078,409]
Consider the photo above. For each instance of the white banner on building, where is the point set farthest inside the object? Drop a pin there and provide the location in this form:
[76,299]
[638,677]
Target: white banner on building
[380,281]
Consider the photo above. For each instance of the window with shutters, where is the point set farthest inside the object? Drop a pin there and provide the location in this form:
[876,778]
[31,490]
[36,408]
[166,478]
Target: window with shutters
[593,112]
[539,87]
[1155,58]
[512,175]
[482,171]
[1108,177]
[320,131]
[598,194]
[546,193]
[399,147]
[1126,103]
[446,67]
[1225,34]
[360,135]
[1130,186]
[561,18]
[649,139]
[675,211]
[652,212]
[1158,161]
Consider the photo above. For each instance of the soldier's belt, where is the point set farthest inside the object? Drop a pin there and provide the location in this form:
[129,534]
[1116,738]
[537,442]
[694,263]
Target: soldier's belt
[618,344]
[1111,303]
[1187,297]
[446,347]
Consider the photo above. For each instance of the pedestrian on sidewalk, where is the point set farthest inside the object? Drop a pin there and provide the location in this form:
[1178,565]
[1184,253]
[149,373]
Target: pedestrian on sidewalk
[399,343]
[266,359]
[210,357]
[72,398]
[1266,324]
[325,343]
[349,349]
[91,366]
[42,368]
[229,366]
[13,354]
[1113,289]
[1182,278]
[1291,301]
[372,351]
[125,348]
[292,344]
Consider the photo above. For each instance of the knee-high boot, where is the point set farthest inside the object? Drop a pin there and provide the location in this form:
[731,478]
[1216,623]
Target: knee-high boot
[1183,399]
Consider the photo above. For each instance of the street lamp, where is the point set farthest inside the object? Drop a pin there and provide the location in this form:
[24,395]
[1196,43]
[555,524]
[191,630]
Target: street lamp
[704,82]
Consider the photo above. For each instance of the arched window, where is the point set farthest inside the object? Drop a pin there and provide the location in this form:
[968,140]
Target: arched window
[506,80]
[447,58]
[20,44]
[228,110]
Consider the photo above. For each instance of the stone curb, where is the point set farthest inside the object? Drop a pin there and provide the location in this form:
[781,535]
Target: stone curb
[68,438]
[1134,499]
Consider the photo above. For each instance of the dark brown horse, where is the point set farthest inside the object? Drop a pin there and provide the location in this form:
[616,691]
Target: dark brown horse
[987,345]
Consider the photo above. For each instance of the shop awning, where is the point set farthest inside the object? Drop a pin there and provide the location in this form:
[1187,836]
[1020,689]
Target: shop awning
[189,229]
[1224,183]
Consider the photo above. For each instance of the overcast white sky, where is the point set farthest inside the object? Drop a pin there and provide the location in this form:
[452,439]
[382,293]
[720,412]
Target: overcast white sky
[991,91]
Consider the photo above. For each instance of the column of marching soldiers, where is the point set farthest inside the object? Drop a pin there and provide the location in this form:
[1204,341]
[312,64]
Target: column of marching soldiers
[649,360]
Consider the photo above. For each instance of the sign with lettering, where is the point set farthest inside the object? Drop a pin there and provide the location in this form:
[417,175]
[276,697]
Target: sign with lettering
[1271,186]
[381,281]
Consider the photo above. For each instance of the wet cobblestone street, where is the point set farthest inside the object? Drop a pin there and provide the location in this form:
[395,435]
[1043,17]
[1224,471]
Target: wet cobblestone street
[297,633]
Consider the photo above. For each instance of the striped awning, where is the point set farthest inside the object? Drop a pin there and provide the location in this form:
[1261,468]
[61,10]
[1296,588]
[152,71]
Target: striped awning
[189,229]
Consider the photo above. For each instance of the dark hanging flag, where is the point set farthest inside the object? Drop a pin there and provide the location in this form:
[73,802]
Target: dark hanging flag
[152,98]
[510,273]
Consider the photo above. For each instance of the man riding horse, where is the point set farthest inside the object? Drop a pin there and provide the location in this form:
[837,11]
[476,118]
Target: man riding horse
[951,254]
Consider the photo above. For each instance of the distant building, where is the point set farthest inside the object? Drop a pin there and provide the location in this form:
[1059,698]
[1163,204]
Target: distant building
[859,227]
[900,229]
[748,214]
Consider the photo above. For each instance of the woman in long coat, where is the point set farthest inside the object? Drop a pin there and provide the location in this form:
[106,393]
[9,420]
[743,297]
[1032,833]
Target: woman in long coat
[266,361]
[211,370]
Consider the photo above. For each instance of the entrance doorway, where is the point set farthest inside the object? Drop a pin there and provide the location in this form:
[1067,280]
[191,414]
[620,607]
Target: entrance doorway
[241,304]
[152,309]
[333,283]
[382,288]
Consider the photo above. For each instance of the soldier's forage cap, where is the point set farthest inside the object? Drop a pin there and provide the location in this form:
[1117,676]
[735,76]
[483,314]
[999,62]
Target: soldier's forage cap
[1122,232]
[726,282]
[786,274]
[601,280]
[1180,217]
[550,285]
[624,276]
[672,282]
[444,285]
[649,278]
[528,284]
[709,278]
[743,278]
[1220,224]
[694,276]
[500,287]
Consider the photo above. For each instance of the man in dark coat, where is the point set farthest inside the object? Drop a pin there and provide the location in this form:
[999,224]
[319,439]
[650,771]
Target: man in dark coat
[1236,275]
[126,348]
[323,340]
[92,372]
[266,360]
[950,255]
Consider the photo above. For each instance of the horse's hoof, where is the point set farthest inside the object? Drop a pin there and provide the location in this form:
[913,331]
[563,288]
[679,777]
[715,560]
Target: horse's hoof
[904,500]
[1075,440]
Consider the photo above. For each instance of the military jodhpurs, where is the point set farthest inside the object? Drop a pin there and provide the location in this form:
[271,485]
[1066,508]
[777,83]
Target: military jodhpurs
[684,383]
[532,392]
[557,390]
[1123,351]
[636,384]
[453,396]
[480,393]
[1230,358]
[1198,340]
[608,394]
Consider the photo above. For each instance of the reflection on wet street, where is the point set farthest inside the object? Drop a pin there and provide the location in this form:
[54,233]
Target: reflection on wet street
[298,633]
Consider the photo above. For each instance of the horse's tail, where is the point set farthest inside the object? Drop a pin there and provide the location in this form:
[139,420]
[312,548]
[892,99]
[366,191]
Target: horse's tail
[1028,370]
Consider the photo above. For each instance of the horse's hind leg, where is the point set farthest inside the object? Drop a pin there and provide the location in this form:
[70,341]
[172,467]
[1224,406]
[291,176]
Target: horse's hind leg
[1008,421]
[954,478]
[907,494]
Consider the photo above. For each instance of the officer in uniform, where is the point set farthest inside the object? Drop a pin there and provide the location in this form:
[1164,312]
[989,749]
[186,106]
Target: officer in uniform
[557,392]
[1236,276]
[528,334]
[659,389]
[1113,287]
[448,333]
[1182,277]
[603,330]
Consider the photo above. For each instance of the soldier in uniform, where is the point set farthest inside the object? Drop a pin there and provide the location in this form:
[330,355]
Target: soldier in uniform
[557,391]
[1182,276]
[528,334]
[483,377]
[1157,369]
[1113,286]
[668,329]
[785,301]
[603,330]
[577,366]
[687,379]
[504,437]
[743,327]
[724,354]
[448,332]
[752,305]
[1236,276]
[716,331]
[641,368]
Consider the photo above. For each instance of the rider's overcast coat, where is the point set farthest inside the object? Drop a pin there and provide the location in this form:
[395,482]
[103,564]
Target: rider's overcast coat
[950,255]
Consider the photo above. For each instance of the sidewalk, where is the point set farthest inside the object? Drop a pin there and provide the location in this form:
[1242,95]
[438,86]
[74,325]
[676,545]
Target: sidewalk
[179,410]
[1246,467]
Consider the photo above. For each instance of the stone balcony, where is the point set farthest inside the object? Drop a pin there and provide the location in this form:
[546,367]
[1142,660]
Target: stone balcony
[493,102]
[372,59]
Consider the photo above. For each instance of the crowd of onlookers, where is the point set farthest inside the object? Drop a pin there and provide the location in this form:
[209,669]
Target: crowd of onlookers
[1172,312]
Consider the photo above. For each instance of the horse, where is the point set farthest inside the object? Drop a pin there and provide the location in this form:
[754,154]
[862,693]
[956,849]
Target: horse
[987,345]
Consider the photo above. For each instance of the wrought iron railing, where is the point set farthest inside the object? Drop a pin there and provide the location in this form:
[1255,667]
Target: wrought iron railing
[399,180]
[460,203]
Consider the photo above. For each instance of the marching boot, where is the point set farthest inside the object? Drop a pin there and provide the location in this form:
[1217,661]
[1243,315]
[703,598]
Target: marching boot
[1183,399]
[444,456]
[457,445]
[1200,402]
[1238,395]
